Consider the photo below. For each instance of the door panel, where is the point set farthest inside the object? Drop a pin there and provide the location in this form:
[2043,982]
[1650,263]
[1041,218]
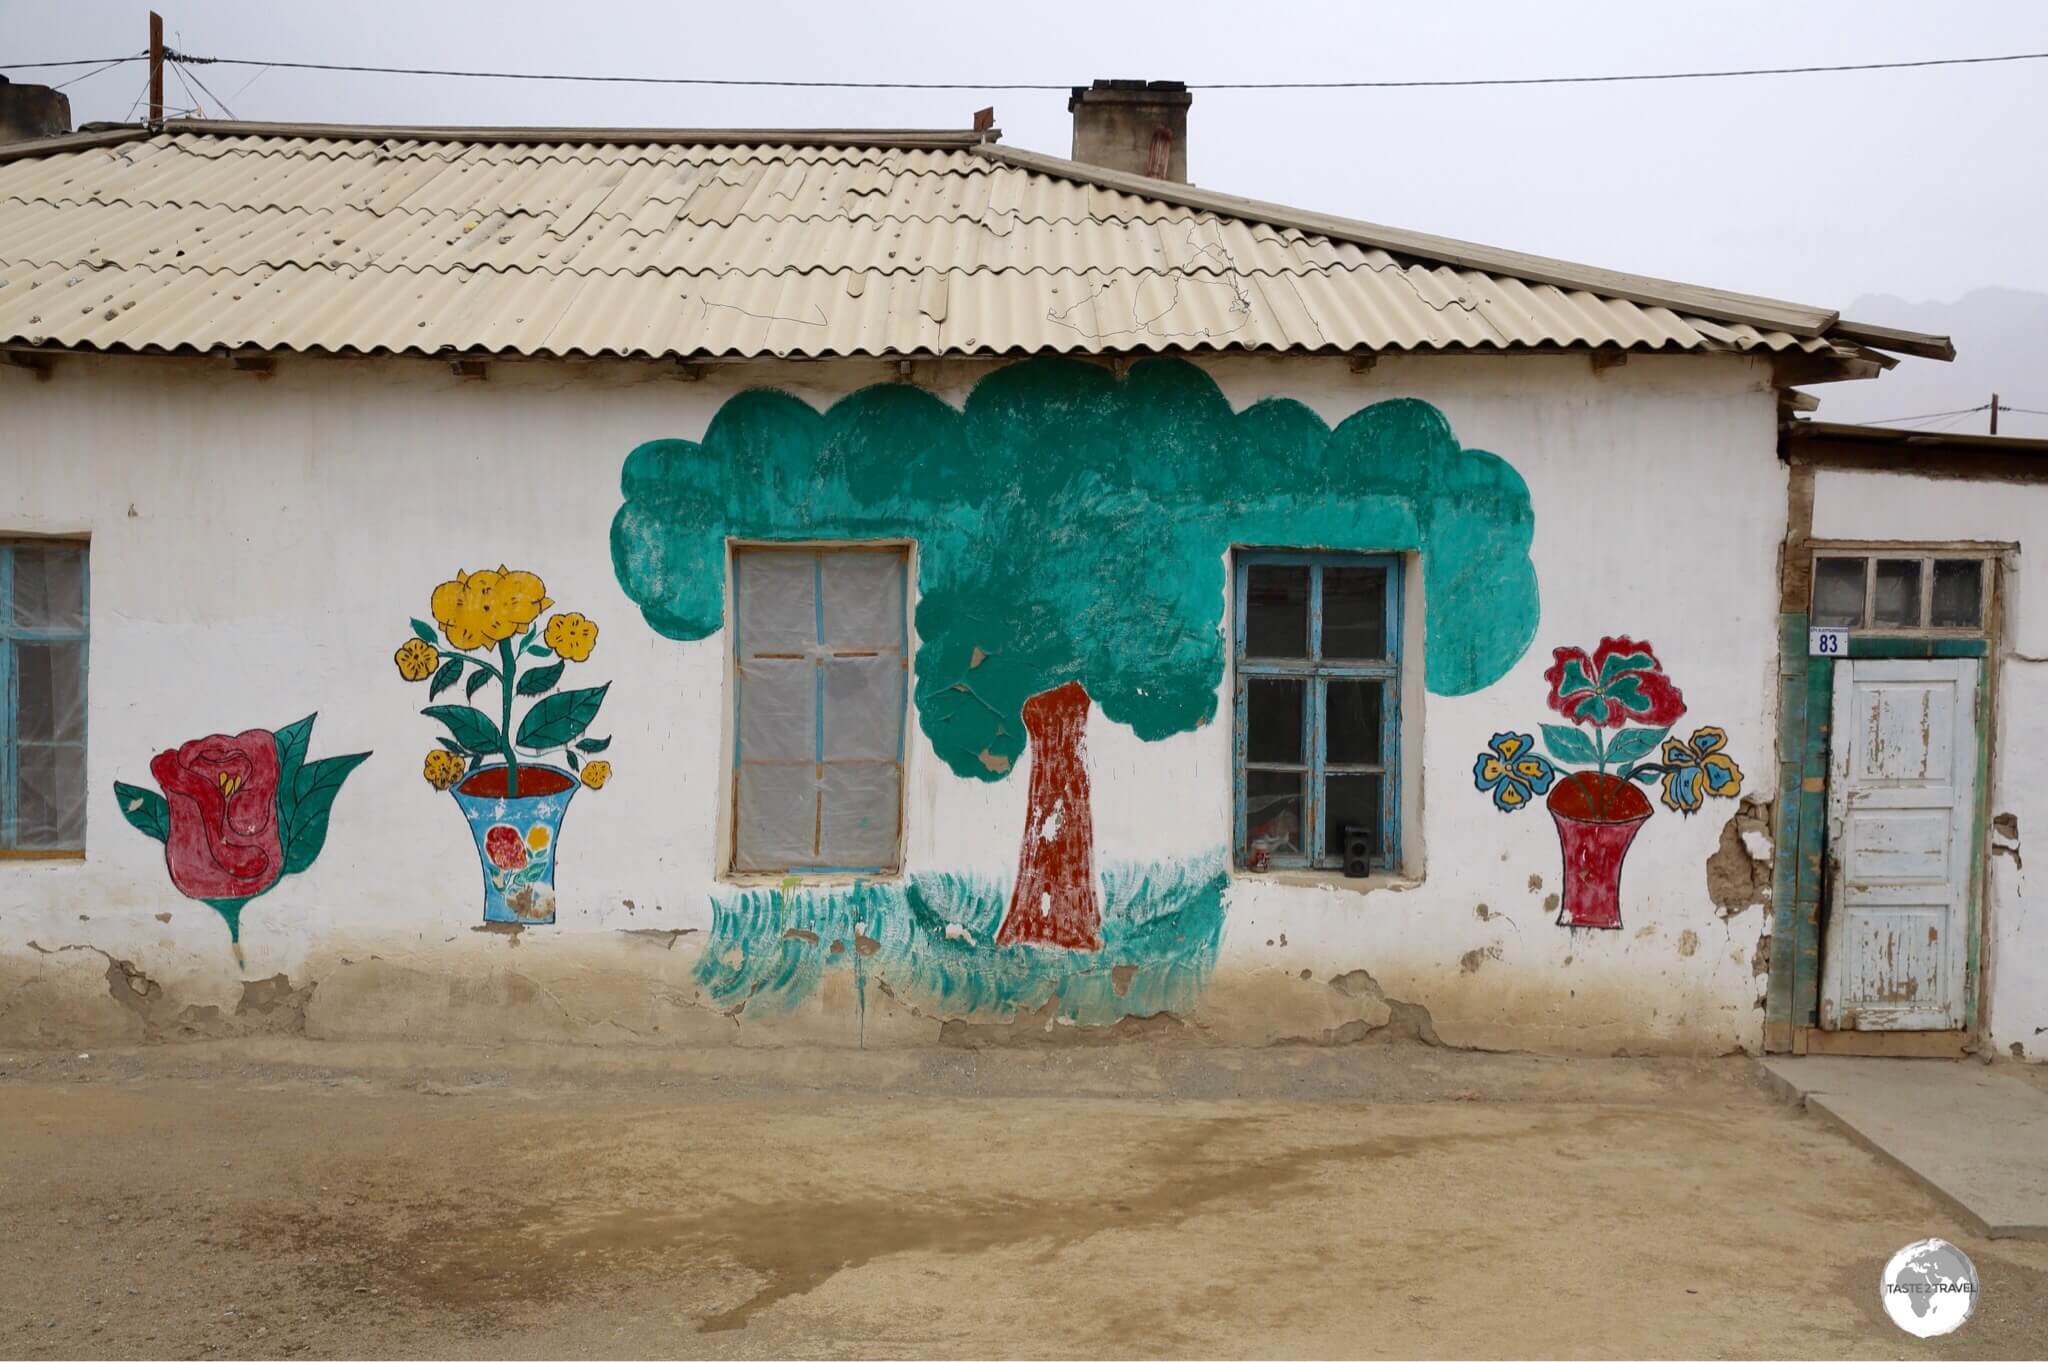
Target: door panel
[1901,800]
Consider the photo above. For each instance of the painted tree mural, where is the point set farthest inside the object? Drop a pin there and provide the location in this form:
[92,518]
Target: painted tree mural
[1072,530]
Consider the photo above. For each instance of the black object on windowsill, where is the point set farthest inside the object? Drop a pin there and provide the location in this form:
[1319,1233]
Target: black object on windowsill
[1357,851]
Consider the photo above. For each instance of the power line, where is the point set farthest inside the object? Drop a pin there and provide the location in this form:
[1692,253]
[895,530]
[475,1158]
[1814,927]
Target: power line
[87,61]
[190,59]
[95,71]
[2030,411]
[1930,415]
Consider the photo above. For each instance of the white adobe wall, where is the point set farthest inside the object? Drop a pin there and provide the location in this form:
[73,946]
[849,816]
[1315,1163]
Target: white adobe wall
[257,546]
[1869,505]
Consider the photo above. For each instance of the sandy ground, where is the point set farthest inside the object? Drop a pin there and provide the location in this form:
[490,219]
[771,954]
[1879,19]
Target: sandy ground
[291,1199]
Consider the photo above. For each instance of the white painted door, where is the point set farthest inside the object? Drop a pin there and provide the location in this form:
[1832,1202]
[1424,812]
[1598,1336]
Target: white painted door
[1902,794]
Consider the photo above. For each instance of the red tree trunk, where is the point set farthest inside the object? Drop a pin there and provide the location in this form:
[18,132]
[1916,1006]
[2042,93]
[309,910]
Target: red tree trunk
[1055,903]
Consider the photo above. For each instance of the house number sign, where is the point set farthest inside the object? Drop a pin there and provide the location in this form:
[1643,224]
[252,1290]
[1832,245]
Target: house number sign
[1827,642]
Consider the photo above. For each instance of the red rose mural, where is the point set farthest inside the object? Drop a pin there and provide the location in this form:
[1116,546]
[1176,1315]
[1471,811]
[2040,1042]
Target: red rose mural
[1622,681]
[223,810]
[239,813]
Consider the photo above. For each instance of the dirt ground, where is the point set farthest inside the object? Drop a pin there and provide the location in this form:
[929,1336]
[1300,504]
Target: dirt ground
[294,1199]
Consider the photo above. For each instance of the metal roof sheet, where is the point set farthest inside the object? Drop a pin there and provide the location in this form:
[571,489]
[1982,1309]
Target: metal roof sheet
[737,245]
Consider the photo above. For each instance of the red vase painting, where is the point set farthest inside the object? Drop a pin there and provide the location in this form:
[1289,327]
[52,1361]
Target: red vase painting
[1597,817]
[1625,703]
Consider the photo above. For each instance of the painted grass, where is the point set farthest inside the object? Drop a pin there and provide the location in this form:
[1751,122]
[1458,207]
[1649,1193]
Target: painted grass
[931,943]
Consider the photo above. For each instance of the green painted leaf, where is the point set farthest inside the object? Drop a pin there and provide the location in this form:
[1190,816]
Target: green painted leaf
[423,630]
[575,762]
[451,745]
[561,718]
[1569,745]
[1648,773]
[472,728]
[593,745]
[540,650]
[450,673]
[145,810]
[540,680]
[291,741]
[477,680]
[318,783]
[1631,743]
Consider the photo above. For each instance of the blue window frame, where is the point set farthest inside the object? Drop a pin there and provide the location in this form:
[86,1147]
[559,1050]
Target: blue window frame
[42,696]
[821,682]
[1318,693]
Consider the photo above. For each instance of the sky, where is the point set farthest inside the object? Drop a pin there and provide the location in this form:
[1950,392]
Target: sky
[1898,190]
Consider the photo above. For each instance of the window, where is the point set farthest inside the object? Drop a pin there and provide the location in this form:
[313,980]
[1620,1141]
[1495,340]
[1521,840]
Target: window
[1318,656]
[821,683]
[1900,592]
[42,696]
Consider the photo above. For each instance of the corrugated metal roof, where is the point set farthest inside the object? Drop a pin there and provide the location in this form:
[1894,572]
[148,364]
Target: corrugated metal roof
[742,245]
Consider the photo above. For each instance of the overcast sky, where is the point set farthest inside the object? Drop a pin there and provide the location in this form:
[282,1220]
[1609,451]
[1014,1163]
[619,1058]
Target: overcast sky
[1821,188]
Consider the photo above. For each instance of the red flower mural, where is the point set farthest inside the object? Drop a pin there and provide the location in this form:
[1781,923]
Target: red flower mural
[1623,681]
[224,841]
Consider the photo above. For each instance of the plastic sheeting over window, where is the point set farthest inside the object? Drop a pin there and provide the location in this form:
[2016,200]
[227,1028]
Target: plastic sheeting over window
[42,688]
[820,640]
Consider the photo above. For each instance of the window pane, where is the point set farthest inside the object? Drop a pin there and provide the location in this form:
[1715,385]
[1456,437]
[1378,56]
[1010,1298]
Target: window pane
[857,822]
[778,709]
[1272,713]
[49,585]
[863,603]
[778,822]
[1958,593]
[1355,612]
[1272,811]
[863,707]
[50,690]
[1276,611]
[777,599]
[1895,601]
[50,815]
[1351,802]
[1353,724]
[1838,592]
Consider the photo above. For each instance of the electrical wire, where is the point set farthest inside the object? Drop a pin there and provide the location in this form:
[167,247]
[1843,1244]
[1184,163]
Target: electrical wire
[91,61]
[95,71]
[193,60]
[2030,411]
[1928,415]
[210,94]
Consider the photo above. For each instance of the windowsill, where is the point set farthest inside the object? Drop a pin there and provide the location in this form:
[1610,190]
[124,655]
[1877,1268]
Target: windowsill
[41,855]
[808,879]
[1391,881]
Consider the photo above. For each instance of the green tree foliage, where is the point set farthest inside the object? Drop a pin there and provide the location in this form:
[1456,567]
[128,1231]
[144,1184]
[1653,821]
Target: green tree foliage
[1071,526]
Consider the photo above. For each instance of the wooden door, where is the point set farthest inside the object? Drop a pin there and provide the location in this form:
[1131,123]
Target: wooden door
[1902,800]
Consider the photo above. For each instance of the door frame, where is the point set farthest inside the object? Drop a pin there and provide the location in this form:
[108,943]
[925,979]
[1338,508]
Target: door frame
[1805,716]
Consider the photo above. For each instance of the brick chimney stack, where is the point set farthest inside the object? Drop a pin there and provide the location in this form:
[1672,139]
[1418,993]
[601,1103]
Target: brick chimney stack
[1136,126]
[31,111]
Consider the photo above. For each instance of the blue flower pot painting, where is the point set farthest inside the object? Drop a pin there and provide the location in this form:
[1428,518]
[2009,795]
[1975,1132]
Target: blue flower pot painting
[516,839]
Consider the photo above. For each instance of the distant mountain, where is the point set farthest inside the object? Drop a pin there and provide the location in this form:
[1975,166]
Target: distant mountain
[2001,337]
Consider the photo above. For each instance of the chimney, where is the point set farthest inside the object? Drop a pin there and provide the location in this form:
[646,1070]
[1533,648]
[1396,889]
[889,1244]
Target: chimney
[1136,126]
[31,111]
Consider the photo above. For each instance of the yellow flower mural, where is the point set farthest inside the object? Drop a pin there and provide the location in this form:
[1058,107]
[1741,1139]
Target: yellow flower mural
[443,769]
[571,635]
[511,773]
[482,608]
[416,659]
